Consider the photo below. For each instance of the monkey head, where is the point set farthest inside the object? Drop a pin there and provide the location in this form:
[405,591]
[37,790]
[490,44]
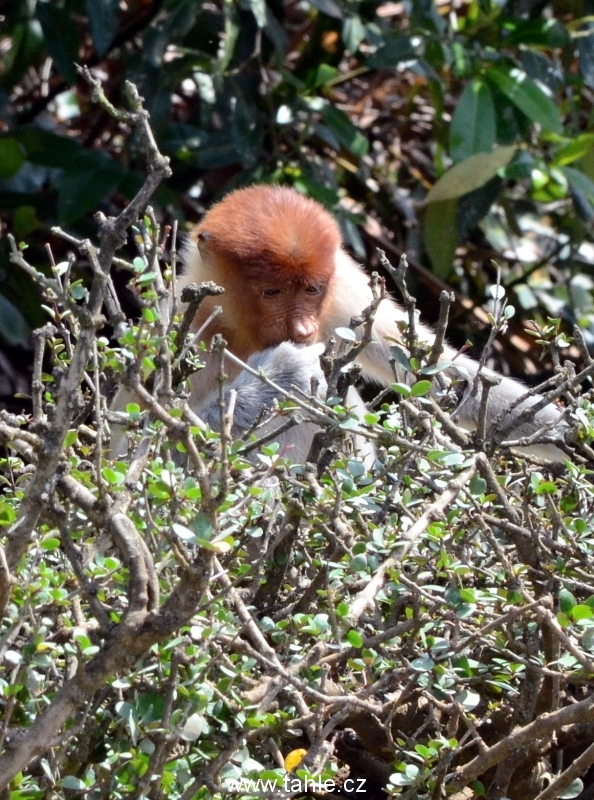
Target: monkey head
[274,252]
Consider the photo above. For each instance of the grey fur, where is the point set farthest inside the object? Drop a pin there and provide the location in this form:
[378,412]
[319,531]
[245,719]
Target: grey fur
[292,368]
[289,366]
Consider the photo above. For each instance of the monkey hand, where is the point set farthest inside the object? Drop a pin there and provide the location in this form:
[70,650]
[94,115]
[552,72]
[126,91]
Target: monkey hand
[291,366]
[288,368]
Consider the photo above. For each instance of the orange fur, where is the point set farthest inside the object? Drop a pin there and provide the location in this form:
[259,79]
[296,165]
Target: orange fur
[274,252]
[280,259]
[271,233]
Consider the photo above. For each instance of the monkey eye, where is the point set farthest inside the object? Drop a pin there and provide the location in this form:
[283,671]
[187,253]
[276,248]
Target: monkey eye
[312,289]
[270,292]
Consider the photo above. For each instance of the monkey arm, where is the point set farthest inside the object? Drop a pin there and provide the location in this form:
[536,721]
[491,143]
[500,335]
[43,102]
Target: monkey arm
[501,398]
[286,365]
[289,367]
[353,293]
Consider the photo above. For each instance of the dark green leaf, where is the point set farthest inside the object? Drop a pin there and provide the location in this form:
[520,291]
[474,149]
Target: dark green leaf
[246,131]
[566,601]
[344,130]
[25,49]
[541,69]
[425,16]
[61,36]
[13,327]
[544,32]
[276,33]
[103,23]
[400,357]
[588,639]
[472,207]
[49,149]
[11,157]
[171,27]
[477,485]
[585,46]
[584,206]
[470,174]
[440,235]
[473,125]
[579,181]
[520,167]
[397,48]
[436,54]
[511,123]
[202,149]
[85,188]
[358,563]
[202,526]
[150,707]
[231,35]
[25,221]
[527,95]
[321,75]
[217,154]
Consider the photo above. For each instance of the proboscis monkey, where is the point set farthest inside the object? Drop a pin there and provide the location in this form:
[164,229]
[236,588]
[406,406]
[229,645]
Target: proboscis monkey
[288,284]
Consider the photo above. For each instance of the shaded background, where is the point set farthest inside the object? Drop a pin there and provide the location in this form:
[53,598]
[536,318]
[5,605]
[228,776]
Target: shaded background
[363,105]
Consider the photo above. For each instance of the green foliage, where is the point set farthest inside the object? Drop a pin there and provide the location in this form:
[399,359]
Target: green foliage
[475,124]
[234,89]
[196,608]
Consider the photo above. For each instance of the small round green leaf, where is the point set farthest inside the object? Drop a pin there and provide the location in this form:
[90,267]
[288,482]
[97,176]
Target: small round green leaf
[354,639]
[421,388]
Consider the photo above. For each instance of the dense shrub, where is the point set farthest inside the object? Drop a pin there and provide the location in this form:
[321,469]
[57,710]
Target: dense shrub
[179,620]
[201,611]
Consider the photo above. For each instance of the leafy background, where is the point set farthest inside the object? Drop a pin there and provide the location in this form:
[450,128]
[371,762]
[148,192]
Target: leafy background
[457,133]
[388,113]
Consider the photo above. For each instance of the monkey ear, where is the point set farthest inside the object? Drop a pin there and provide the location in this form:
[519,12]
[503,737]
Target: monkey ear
[204,236]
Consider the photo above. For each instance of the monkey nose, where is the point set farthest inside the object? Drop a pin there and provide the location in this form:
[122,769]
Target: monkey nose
[302,330]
